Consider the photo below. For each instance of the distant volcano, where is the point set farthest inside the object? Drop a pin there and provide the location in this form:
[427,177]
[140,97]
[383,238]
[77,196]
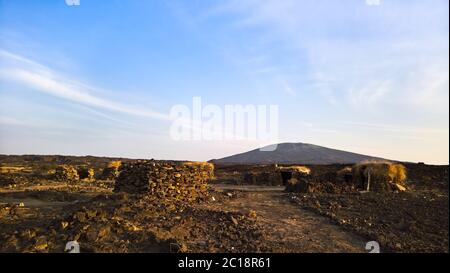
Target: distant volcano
[296,153]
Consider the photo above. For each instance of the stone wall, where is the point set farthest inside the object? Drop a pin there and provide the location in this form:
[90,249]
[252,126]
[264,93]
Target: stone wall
[111,172]
[66,173]
[86,173]
[187,181]
[262,178]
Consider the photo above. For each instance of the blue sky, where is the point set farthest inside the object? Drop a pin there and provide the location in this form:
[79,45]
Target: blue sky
[100,78]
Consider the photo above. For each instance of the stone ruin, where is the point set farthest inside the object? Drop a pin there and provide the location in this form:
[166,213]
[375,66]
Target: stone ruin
[86,173]
[366,176]
[66,172]
[262,178]
[111,172]
[276,176]
[371,176]
[186,181]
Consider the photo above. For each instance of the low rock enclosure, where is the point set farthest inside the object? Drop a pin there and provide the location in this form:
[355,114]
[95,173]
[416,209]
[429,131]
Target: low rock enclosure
[111,172]
[365,176]
[370,176]
[275,175]
[66,172]
[381,177]
[187,181]
[86,173]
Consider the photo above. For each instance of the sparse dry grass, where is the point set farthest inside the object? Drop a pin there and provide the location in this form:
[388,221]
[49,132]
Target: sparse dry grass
[15,169]
[114,164]
[300,169]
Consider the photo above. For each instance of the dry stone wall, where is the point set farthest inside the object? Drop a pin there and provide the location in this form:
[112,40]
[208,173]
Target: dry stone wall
[187,181]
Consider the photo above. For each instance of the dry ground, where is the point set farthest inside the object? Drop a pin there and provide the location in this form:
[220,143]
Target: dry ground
[287,227]
[223,225]
[42,215]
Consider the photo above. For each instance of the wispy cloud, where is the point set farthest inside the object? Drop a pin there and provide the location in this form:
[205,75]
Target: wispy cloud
[359,55]
[367,75]
[395,128]
[41,78]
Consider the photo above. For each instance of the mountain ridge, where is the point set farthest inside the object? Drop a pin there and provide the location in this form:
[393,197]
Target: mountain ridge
[297,153]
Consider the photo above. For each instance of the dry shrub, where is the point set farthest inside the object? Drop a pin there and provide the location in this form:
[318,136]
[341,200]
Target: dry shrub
[252,214]
[397,172]
[114,164]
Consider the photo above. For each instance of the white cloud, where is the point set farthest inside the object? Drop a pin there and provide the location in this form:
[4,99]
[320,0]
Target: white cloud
[357,55]
[354,62]
[38,77]
[368,75]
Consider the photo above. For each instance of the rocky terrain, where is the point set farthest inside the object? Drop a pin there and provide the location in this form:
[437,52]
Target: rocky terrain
[402,222]
[44,205]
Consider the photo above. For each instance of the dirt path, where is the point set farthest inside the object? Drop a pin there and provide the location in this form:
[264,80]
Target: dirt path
[289,228]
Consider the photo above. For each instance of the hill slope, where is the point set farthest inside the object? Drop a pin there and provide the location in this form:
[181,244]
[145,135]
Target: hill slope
[296,153]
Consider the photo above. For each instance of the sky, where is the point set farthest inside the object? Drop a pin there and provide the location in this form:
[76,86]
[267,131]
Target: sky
[100,78]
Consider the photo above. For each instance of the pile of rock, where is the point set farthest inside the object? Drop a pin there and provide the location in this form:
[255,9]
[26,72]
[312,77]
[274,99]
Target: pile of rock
[66,172]
[141,224]
[86,173]
[371,176]
[262,178]
[186,181]
[314,185]
[111,172]
[274,175]
[9,179]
